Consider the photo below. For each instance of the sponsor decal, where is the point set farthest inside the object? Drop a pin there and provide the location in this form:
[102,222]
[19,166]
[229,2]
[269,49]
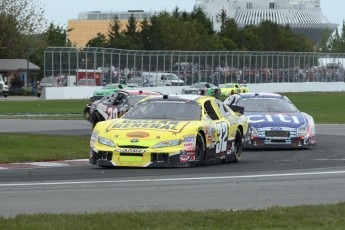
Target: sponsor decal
[147,124]
[222,133]
[138,134]
[189,138]
[168,102]
[183,158]
[273,118]
[190,156]
[131,150]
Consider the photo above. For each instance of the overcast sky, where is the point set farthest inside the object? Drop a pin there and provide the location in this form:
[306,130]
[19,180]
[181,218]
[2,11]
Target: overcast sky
[59,12]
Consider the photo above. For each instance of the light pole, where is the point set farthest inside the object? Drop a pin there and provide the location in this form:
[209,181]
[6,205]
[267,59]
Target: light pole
[28,50]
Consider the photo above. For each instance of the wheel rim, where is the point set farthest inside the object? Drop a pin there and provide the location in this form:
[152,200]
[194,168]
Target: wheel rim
[238,147]
[199,148]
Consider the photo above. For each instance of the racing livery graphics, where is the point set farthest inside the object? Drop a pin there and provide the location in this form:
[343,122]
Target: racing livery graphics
[170,131]
[115,105]
[275,121]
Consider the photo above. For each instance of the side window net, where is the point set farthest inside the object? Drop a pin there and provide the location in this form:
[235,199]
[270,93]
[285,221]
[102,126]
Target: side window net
[210,110]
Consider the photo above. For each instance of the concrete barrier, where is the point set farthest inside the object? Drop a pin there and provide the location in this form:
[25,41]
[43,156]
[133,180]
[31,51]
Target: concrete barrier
[85,92]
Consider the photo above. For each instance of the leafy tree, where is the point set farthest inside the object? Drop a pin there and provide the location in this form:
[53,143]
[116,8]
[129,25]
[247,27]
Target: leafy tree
[99,41]
[201,16]
[222,17]
[16,82]
[9,36]
[114,32]
[28,13]
[131,27]
[56,35]
[145,34]
[337,42]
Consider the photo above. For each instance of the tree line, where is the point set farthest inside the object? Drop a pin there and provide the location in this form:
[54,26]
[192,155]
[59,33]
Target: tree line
[25,33]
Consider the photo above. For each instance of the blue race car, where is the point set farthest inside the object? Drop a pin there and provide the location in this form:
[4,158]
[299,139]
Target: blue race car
[275,121]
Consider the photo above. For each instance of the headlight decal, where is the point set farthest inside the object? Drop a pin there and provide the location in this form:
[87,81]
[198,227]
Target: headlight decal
[105,141]
[302,130]
[93,139]
[164,144]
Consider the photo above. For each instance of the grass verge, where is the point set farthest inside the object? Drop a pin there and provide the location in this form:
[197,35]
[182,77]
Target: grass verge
[33,147]
[325,107]
[43,109]
[301,217]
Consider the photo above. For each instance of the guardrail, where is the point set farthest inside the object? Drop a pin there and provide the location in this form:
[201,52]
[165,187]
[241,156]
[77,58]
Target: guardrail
[85,92]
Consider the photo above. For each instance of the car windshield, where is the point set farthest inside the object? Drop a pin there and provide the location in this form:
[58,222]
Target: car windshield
[198,86]
[112,87]
[171,77]
[266,105]
[228,86]
[165,109]
[48,80]
[133,99]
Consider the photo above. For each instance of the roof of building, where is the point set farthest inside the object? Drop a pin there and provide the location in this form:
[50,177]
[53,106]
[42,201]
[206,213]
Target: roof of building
[7,65]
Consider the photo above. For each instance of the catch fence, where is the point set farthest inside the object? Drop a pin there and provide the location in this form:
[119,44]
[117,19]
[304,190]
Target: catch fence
[217,67]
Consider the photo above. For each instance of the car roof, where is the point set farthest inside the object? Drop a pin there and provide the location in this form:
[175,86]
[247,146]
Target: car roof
[139,92]
[182,97]
[261,95]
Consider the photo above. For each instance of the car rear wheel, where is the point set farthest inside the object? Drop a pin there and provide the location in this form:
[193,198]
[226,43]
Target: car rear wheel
[199,149]
[238,146]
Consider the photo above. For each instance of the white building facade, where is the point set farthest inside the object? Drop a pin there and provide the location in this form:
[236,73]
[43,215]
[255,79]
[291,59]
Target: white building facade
[302,16]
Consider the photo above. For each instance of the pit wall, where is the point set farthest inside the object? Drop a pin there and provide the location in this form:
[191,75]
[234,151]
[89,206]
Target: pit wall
[85,92]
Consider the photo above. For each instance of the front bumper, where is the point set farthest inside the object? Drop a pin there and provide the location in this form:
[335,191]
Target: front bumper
[146,160]
[263,143]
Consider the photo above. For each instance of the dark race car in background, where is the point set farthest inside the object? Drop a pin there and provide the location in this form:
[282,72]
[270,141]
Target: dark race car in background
[202,88]
[275,121]
[115,105]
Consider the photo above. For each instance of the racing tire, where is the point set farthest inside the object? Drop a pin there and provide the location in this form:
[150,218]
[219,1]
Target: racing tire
[87,114]
[95,119]
[199,149]
[238,147]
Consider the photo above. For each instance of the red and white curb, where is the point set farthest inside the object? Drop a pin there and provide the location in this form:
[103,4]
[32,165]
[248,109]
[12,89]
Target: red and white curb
[48,164]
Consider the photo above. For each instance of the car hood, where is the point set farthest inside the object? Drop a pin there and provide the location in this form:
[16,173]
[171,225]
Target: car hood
[266,119]
[191,89]
[145,130]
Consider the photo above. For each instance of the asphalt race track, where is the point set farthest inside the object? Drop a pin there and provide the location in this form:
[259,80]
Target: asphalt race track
[262,179]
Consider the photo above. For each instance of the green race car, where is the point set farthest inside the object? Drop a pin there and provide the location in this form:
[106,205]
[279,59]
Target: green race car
[106,90]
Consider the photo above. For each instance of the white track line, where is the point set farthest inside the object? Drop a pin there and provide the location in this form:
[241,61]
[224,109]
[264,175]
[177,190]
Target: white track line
[174,179]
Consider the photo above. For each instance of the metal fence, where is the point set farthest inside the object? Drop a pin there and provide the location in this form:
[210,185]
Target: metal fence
[217,67]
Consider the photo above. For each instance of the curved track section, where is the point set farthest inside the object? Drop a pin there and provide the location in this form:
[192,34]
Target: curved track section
[262,179]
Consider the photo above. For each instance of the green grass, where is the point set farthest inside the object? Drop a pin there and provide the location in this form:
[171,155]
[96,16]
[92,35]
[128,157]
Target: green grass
[30,147]
[321,217]
[326,108]
[66,109]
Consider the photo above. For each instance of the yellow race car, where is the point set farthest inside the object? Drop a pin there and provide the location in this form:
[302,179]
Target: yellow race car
[230,89]
[171,131]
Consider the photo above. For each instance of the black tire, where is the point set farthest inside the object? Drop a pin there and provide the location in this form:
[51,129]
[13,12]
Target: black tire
[238,147]
[95,119]
[199,149]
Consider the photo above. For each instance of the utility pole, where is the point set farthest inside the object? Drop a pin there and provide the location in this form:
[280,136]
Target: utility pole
[28,50]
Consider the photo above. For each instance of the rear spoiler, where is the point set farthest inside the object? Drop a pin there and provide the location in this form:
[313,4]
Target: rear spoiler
[237,109]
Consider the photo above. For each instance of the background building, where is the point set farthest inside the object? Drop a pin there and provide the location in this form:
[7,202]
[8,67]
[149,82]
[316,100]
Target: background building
[89,24]
[303,16]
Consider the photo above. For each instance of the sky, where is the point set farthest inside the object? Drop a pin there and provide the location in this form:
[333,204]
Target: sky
[59,12]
